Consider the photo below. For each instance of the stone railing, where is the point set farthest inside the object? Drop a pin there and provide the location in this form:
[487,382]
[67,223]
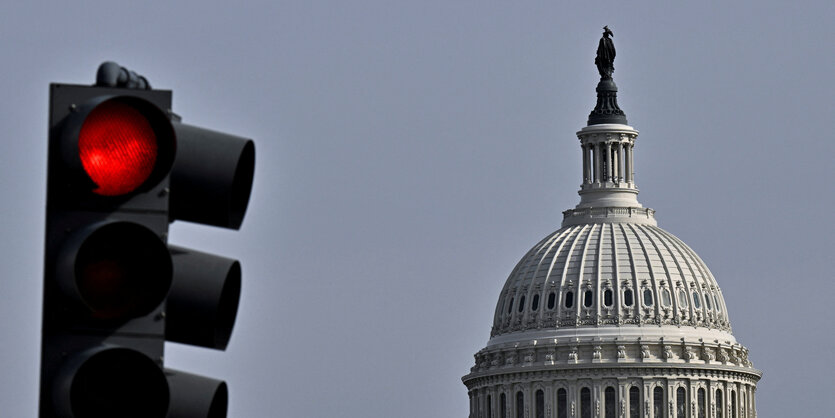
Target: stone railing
[609,214]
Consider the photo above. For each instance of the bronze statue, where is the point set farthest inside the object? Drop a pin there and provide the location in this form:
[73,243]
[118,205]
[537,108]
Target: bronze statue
[606,110]
[605,59]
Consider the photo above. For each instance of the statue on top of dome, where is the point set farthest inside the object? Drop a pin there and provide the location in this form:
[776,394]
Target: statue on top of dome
[605,59]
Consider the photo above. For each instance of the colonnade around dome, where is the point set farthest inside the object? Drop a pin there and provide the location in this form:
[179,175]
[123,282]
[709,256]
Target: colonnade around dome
[614,392]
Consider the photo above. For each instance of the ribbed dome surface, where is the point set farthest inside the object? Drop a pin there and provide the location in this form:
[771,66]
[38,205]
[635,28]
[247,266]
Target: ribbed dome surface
[609,274]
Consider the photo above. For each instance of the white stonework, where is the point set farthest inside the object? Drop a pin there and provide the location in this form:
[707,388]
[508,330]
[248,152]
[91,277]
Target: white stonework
[611,316]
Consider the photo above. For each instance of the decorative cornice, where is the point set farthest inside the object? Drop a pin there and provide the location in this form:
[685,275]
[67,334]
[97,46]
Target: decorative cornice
[571,354]
[599,371]
[608,215]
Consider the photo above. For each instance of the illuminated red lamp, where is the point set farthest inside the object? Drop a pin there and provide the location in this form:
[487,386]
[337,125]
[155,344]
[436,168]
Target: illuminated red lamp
[117,147]
[122,144]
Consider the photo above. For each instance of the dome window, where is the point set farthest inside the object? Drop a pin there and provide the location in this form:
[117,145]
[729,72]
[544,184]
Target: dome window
[647,297]
[707,302]
[552,299]
[510,306]
[588,297]
[585,403]
[521,303]
[489,406]
[681,403]
[634,402]
[569,299]
[535,302]
[562,403]
[718,306]
[682,298]
[627,297]
[697,301]
[539,411]
[611,409]
[607,297]
[520,405]
[658,402]
[665,298]
[733,404]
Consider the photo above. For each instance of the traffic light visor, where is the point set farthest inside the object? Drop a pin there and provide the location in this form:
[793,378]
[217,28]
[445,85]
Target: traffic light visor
[196,396]
[203,301]
[212,177]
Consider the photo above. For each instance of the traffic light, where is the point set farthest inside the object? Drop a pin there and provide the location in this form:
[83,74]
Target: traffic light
[121,167]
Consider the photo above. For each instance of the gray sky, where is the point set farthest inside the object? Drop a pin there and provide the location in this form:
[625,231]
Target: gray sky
[409,154]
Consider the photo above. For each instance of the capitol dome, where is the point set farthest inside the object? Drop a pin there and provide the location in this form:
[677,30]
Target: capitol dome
[619,273]
[611,316]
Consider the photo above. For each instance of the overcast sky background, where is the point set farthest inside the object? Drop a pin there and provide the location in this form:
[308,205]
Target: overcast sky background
[409,154]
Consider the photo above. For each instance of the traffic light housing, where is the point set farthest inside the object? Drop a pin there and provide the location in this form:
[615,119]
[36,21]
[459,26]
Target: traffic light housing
[121,167]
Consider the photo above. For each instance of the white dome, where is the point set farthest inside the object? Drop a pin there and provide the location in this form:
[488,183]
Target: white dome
[600,275]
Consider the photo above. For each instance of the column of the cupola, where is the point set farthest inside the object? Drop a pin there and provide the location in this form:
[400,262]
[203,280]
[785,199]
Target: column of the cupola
[631,164]
[586,169]
[597,168]
[619,162]
[608,148]
[589,164]
[627,166]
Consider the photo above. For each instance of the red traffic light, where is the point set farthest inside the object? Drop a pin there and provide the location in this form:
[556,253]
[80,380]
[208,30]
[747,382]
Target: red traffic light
[118,148]
[120,144]
[107,268]
[113,293]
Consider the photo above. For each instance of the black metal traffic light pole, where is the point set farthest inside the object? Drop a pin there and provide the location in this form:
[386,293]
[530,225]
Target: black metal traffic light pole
[119,171]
